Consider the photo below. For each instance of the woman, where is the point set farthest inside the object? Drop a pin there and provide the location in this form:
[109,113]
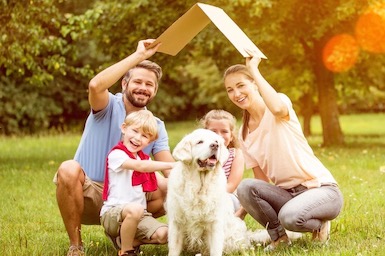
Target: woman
[292,189]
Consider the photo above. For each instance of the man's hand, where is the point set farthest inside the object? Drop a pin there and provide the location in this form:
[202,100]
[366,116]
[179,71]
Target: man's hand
[143,48]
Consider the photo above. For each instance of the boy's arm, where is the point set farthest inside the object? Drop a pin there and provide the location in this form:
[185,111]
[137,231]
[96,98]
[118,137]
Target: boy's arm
[164,156]
[146,165]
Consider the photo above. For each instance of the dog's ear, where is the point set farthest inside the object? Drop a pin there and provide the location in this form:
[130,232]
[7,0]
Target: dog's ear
[182,151]
[223,152]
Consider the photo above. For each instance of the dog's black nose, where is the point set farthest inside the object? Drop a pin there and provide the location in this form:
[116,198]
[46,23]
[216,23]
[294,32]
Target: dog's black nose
[214,145]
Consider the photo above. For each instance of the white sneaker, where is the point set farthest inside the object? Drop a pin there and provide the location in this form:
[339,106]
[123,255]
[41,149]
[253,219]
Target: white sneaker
[323,234]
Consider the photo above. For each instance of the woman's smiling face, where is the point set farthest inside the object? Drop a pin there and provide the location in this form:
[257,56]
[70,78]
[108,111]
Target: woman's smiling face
[240,89]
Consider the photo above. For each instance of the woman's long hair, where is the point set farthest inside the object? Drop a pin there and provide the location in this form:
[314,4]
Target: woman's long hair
[240,68]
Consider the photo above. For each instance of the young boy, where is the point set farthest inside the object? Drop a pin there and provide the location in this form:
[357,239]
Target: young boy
[129,176]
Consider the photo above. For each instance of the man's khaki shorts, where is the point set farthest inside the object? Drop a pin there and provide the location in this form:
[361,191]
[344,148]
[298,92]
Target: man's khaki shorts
[93,202]
[112,220]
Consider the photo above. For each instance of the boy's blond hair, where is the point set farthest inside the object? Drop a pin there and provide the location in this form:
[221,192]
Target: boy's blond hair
[145,120]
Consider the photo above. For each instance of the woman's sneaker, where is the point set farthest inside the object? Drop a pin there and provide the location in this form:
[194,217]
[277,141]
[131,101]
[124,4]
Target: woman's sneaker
[323,234]
[283,241]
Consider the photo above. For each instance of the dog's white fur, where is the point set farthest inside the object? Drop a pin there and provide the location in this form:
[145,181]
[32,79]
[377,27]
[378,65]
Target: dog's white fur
[200,212]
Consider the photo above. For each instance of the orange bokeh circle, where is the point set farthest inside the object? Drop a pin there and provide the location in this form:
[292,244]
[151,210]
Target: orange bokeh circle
[340,53]
[370,32]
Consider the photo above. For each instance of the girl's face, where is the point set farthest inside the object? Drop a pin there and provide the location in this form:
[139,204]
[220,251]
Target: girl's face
[134,138]
[240,89]
[222,128]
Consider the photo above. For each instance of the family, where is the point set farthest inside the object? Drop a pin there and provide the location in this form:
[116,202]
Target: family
[112,180]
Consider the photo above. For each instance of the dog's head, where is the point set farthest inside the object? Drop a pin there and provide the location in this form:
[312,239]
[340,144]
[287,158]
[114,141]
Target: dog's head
[202,148]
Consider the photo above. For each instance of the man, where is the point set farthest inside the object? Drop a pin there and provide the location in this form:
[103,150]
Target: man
[80,181]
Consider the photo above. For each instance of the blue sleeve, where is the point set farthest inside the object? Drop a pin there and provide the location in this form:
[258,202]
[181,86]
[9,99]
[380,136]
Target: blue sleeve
[161,144]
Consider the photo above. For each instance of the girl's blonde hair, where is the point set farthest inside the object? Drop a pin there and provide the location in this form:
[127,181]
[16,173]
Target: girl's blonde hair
[145,120]
[242,69]
[219,114]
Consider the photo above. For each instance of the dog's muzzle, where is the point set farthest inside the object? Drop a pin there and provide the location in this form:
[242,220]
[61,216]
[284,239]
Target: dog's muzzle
[212,160]
[209,162]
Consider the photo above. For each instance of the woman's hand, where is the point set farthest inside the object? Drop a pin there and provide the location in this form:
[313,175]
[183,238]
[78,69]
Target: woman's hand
[252,61]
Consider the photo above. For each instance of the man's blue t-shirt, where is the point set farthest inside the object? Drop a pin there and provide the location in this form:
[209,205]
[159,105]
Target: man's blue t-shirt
[102,132]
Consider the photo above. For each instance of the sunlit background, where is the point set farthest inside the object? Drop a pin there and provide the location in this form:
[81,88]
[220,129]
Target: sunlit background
[342,50]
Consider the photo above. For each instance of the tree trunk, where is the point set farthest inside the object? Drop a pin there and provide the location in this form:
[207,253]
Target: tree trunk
[327,101]
[307,106]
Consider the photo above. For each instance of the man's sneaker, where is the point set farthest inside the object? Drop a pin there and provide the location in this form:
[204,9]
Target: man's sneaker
[323,234]
[75,250]
[115,241]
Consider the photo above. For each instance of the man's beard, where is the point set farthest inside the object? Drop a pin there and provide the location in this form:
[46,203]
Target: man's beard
[136,103]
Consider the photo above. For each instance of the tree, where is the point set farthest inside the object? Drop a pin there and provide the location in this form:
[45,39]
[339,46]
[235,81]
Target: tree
[293,35]
[40,62]
[50,50]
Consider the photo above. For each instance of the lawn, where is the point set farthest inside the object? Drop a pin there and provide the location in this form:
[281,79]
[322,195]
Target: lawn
[30,222]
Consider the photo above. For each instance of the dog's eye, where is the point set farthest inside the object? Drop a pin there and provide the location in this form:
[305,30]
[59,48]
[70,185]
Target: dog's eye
[200,142]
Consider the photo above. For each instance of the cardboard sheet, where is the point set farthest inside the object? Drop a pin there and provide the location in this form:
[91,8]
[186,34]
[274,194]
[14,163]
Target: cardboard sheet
[182,31]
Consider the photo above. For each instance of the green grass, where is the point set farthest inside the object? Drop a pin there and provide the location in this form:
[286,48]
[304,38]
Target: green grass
[30,222]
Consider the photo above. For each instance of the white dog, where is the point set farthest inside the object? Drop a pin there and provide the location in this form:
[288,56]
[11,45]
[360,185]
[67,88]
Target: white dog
[200,213]
[199,210]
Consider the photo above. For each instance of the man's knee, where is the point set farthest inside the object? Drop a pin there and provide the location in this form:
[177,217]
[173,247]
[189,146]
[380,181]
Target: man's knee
[70,171]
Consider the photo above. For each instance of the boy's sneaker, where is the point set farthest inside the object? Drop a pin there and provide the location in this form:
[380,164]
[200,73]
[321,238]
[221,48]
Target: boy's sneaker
[323,234]
[115,241]
[137,249]
[75,250]
[127,253]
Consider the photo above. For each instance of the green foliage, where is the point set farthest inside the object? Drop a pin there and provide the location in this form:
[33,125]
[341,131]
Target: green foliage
[40,68]
[362,89]
[49,50]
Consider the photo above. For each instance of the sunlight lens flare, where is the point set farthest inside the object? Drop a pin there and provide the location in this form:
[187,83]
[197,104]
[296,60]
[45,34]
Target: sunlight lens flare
[340,53]
[370,28]
[370,32]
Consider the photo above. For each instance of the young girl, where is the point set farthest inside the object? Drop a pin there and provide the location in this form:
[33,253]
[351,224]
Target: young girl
[292,189]
[224,124]
[129,176]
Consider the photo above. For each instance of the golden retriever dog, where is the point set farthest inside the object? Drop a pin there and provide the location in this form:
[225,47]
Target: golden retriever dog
[200,213]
